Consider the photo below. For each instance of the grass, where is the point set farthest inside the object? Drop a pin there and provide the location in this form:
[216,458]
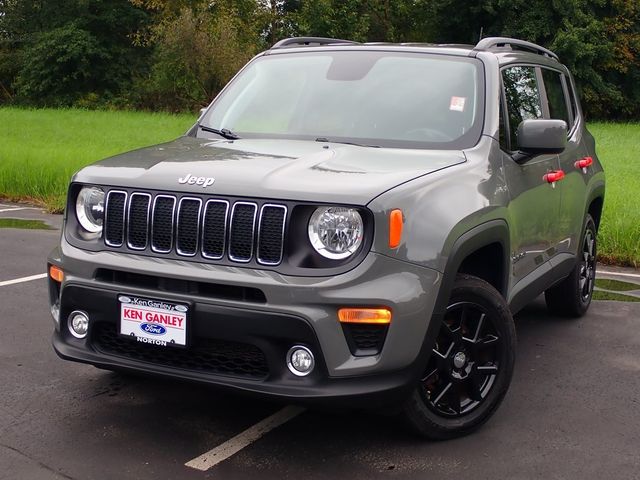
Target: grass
[23,224]
[616,285]
[613,297]
[41,149]
[618,148]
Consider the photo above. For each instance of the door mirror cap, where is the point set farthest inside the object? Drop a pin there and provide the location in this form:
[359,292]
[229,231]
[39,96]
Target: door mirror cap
[537,136]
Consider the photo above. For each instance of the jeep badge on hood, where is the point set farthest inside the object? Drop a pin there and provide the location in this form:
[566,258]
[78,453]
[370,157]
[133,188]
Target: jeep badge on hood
[191,180]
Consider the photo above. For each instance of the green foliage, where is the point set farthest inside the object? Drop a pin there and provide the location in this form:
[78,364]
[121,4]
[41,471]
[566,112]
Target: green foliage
[58,66]
[177,54]
[195,54]
[64,52]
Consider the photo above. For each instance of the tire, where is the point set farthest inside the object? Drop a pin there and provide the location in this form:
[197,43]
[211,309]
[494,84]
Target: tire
[474,354]
[572,296]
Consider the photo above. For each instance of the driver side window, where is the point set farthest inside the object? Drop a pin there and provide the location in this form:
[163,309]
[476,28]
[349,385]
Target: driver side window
[523,98]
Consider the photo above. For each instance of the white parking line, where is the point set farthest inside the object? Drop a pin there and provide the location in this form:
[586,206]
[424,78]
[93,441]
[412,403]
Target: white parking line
[229,448]
[23,279]
[15,209]
[620,274]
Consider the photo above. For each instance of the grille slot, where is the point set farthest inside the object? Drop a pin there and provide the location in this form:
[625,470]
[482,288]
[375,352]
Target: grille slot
[191,226]
[188,226]
[206,355]
[114,218]
[162,223]
[243,220]
[271,234]
[138,231]
[214,228]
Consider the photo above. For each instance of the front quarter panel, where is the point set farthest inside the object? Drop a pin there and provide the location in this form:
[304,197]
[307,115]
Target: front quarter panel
[441,207]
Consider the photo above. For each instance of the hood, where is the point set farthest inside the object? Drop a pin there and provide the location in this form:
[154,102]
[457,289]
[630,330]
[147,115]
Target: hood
[274,169]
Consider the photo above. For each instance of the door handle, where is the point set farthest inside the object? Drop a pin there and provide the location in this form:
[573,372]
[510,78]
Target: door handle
[584,163]
[553,176]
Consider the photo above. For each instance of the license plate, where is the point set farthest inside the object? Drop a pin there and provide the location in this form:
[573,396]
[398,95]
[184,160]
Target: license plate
[154,322]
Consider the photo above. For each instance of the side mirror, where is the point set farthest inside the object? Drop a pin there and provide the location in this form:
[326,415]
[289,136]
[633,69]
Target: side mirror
[536,136]
[202,110]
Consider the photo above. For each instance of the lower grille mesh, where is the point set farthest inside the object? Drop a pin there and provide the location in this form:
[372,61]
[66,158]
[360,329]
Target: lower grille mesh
[207,356]
[365,339]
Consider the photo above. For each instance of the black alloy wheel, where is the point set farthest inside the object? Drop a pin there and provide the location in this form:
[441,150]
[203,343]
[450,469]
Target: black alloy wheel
[465,361]
[470,366]
[588,265]
[572,296]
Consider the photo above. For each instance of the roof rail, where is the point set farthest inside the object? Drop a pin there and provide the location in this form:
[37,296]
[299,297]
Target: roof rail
[515,44]
[310,41]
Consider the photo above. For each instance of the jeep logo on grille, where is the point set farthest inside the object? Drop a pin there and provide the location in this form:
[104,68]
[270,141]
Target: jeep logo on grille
[191,180]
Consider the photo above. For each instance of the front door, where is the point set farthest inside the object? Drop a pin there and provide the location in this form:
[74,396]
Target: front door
[534,203]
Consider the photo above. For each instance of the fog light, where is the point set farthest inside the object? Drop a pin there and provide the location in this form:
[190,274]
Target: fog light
[78,324]
[300,361]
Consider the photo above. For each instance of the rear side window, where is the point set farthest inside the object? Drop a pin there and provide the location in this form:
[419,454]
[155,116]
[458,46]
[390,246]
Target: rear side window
[572,99]
[523,97]
[555,95]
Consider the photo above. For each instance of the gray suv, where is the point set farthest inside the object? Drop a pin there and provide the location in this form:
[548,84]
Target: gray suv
[348,224]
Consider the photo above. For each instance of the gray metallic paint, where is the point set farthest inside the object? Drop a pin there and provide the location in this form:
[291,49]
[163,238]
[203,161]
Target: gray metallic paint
[454,202]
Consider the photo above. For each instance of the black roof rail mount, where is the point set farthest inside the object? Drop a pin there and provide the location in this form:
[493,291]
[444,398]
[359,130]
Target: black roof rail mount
[515,44]
[310,42]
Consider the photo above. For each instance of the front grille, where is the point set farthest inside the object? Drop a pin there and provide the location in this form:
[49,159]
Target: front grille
[162,223]
[138,221]
[188,226]
[192,226]
[114,218]
[243,220]
[206,355]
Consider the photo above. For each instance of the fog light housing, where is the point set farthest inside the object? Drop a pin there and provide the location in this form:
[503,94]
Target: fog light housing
[300,361]
[78,324]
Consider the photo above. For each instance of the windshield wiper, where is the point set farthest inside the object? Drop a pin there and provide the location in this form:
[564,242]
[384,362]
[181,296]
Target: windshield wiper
[224,132]
[325,139]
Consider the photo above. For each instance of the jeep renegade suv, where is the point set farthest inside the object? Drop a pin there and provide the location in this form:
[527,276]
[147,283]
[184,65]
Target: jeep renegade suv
[346,223]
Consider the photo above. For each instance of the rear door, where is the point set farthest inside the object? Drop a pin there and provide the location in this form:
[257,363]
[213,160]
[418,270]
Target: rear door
[561,105]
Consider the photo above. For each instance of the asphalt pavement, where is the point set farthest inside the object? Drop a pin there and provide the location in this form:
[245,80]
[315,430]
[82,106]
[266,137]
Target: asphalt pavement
[573,410]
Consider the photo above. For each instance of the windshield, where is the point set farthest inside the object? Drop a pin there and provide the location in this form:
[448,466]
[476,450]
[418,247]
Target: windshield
[386,99]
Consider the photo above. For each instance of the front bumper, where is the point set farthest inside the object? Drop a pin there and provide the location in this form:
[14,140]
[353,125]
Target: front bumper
[288,311]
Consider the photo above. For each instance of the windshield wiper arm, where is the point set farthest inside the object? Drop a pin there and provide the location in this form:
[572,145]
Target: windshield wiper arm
[224,132]
[326,140]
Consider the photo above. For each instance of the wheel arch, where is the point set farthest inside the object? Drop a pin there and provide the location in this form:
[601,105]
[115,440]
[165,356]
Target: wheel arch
[595,203]
[483,252]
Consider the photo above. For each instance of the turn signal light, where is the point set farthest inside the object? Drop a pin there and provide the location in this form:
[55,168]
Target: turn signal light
[56,273]
[395,228]
[365,315]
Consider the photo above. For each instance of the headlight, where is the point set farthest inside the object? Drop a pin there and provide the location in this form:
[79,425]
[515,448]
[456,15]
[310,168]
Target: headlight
[90,209]
[335,232]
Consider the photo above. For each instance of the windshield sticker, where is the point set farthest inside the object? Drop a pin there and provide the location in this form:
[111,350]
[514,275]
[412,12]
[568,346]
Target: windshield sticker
[457,104]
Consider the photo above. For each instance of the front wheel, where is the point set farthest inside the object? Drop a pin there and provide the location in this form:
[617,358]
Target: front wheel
[471,364]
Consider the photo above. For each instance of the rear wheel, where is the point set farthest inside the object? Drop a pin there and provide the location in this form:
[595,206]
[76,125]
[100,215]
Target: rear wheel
[572,296]
[471,364]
